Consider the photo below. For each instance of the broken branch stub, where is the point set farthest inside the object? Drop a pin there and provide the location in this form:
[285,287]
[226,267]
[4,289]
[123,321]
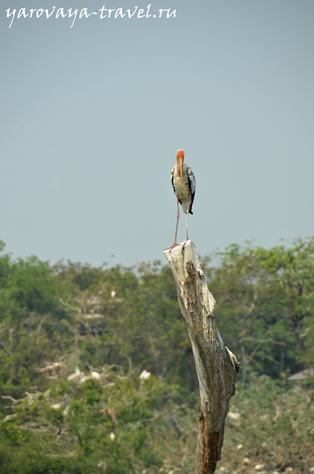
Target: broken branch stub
[216,365]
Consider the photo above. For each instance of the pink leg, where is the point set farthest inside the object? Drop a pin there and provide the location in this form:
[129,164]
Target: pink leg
[187,226]
[177,223]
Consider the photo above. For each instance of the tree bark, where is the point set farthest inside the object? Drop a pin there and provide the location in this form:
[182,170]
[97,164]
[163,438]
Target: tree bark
[216,366]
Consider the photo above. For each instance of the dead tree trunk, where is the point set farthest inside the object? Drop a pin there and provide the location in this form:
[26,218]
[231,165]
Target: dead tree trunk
[216,366]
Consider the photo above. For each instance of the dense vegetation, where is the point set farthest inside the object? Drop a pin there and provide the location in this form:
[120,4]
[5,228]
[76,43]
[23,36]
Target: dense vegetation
[97,373]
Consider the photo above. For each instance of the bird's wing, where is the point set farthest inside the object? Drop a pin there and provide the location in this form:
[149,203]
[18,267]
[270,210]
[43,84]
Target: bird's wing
[191,185]
[191,180]
[172,178]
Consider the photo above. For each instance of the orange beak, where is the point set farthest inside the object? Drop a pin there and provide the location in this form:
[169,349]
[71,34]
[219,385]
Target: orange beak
[180,158]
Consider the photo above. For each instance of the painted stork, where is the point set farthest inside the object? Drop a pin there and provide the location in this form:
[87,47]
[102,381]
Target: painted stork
[183,183]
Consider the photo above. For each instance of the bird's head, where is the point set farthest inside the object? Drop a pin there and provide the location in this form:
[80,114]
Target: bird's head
[180,158]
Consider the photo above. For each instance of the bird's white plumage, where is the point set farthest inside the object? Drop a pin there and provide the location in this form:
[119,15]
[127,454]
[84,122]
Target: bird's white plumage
[184,184]
[185,192]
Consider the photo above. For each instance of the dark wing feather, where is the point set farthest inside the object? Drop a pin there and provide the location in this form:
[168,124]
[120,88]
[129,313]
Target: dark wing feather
[191,185]
[172,179]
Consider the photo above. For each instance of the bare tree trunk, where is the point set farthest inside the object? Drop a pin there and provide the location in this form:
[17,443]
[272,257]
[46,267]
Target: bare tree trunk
[216,366]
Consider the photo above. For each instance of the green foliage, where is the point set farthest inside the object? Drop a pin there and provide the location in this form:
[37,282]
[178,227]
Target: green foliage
[265,304]
[273,428]
[123,320]
[112,419]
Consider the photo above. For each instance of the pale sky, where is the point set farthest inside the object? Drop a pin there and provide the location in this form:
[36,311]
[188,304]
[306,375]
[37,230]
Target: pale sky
[91,118]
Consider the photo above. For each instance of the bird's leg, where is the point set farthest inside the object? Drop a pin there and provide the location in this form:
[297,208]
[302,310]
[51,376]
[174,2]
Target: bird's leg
[177,223]
[187,229]
[187,224]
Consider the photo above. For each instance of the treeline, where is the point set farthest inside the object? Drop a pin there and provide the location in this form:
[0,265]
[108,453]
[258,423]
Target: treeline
[92,316]
[70,332]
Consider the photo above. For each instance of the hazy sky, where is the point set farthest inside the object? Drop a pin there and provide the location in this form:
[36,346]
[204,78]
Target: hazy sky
[91,118]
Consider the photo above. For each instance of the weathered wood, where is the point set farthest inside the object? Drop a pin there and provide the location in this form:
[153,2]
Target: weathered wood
[216,366]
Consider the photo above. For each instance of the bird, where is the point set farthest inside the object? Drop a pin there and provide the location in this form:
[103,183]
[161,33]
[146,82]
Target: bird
[184,184]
